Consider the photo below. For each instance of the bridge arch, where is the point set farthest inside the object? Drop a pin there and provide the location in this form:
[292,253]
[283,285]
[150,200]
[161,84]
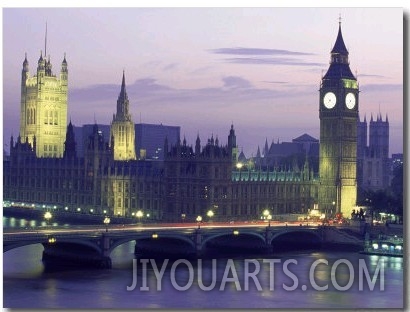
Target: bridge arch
[93,245]
[252,234]
[146,236]
[294,235]
[9,247]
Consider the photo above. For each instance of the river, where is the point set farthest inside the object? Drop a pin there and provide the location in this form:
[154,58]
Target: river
[283,281]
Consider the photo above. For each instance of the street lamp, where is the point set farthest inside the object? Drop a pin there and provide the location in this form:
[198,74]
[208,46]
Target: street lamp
[210,214]
[106,222]
[139,215]
[265,213]
[48,216]
[199,219]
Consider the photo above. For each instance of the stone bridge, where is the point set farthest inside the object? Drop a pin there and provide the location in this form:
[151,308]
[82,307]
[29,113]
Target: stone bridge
[93,246]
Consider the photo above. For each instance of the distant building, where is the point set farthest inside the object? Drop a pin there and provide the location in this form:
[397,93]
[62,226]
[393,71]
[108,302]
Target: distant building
[289,154]
[374,165]
[150,139]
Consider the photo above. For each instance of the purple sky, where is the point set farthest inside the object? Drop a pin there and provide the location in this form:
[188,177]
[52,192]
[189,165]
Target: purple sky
[204,68]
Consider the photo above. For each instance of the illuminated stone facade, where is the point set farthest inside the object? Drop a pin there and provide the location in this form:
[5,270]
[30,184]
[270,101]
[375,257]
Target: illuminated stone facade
[95,183]
[43,117]
[338,113]
[122,128]
[209,178]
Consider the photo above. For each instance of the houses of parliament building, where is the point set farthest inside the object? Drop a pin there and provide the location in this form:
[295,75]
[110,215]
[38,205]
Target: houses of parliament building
[112,178]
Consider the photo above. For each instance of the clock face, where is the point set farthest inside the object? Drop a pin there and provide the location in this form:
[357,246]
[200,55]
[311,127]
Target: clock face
[329,100]
[350,101]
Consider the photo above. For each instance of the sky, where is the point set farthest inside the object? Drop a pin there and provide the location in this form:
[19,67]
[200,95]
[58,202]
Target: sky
[205,68]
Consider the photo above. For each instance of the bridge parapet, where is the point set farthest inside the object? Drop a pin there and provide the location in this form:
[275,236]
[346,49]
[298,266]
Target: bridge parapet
[97,244]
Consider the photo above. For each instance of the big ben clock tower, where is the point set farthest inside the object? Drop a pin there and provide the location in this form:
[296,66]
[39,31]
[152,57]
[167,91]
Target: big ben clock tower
[338,113]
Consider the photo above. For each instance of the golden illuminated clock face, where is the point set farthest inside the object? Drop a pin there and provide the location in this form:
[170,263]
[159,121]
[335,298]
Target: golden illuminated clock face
[350,101]
[329,100]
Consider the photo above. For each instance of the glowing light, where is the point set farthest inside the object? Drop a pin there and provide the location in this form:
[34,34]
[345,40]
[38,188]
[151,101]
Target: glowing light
[155,235]
[236,232]
[48,215]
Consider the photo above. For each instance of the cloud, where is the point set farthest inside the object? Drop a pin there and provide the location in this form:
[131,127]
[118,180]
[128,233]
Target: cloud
[276,82]
[371,75]
[381,87]
[201,70]
[149,96]
[256,51]
[271,61]
[236,82]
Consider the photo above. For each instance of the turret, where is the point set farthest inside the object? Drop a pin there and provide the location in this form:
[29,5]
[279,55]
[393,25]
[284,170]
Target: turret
[70,150]
[198,145]
[25,71]
[64,72]
[232,138]
[48,67]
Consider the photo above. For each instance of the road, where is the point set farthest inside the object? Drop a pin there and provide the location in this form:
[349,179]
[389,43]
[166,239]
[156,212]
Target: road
[146,227]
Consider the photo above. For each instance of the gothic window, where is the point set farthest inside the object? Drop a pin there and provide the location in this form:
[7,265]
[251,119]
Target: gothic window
[50,118]
[46,117]
[55,118]
[121,135]
[28,117]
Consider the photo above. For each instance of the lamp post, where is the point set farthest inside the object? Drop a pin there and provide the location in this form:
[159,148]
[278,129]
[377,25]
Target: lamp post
[106,222]
[199,219]
[269,218]
[48,216]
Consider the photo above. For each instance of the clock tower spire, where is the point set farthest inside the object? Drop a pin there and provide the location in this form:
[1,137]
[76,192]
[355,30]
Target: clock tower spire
[338,114]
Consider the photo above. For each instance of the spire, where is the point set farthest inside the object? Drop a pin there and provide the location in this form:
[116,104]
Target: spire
[266,148]
[123,103]
[258,153]
[45,43]
[340,46]
[70,150]
[123,92]
[25,63]
[339,59]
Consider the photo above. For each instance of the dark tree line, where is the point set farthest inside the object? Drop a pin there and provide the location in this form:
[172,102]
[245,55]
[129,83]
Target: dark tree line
[389,200]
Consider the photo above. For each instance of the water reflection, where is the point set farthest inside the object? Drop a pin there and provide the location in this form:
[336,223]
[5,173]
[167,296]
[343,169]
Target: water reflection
[28,285]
